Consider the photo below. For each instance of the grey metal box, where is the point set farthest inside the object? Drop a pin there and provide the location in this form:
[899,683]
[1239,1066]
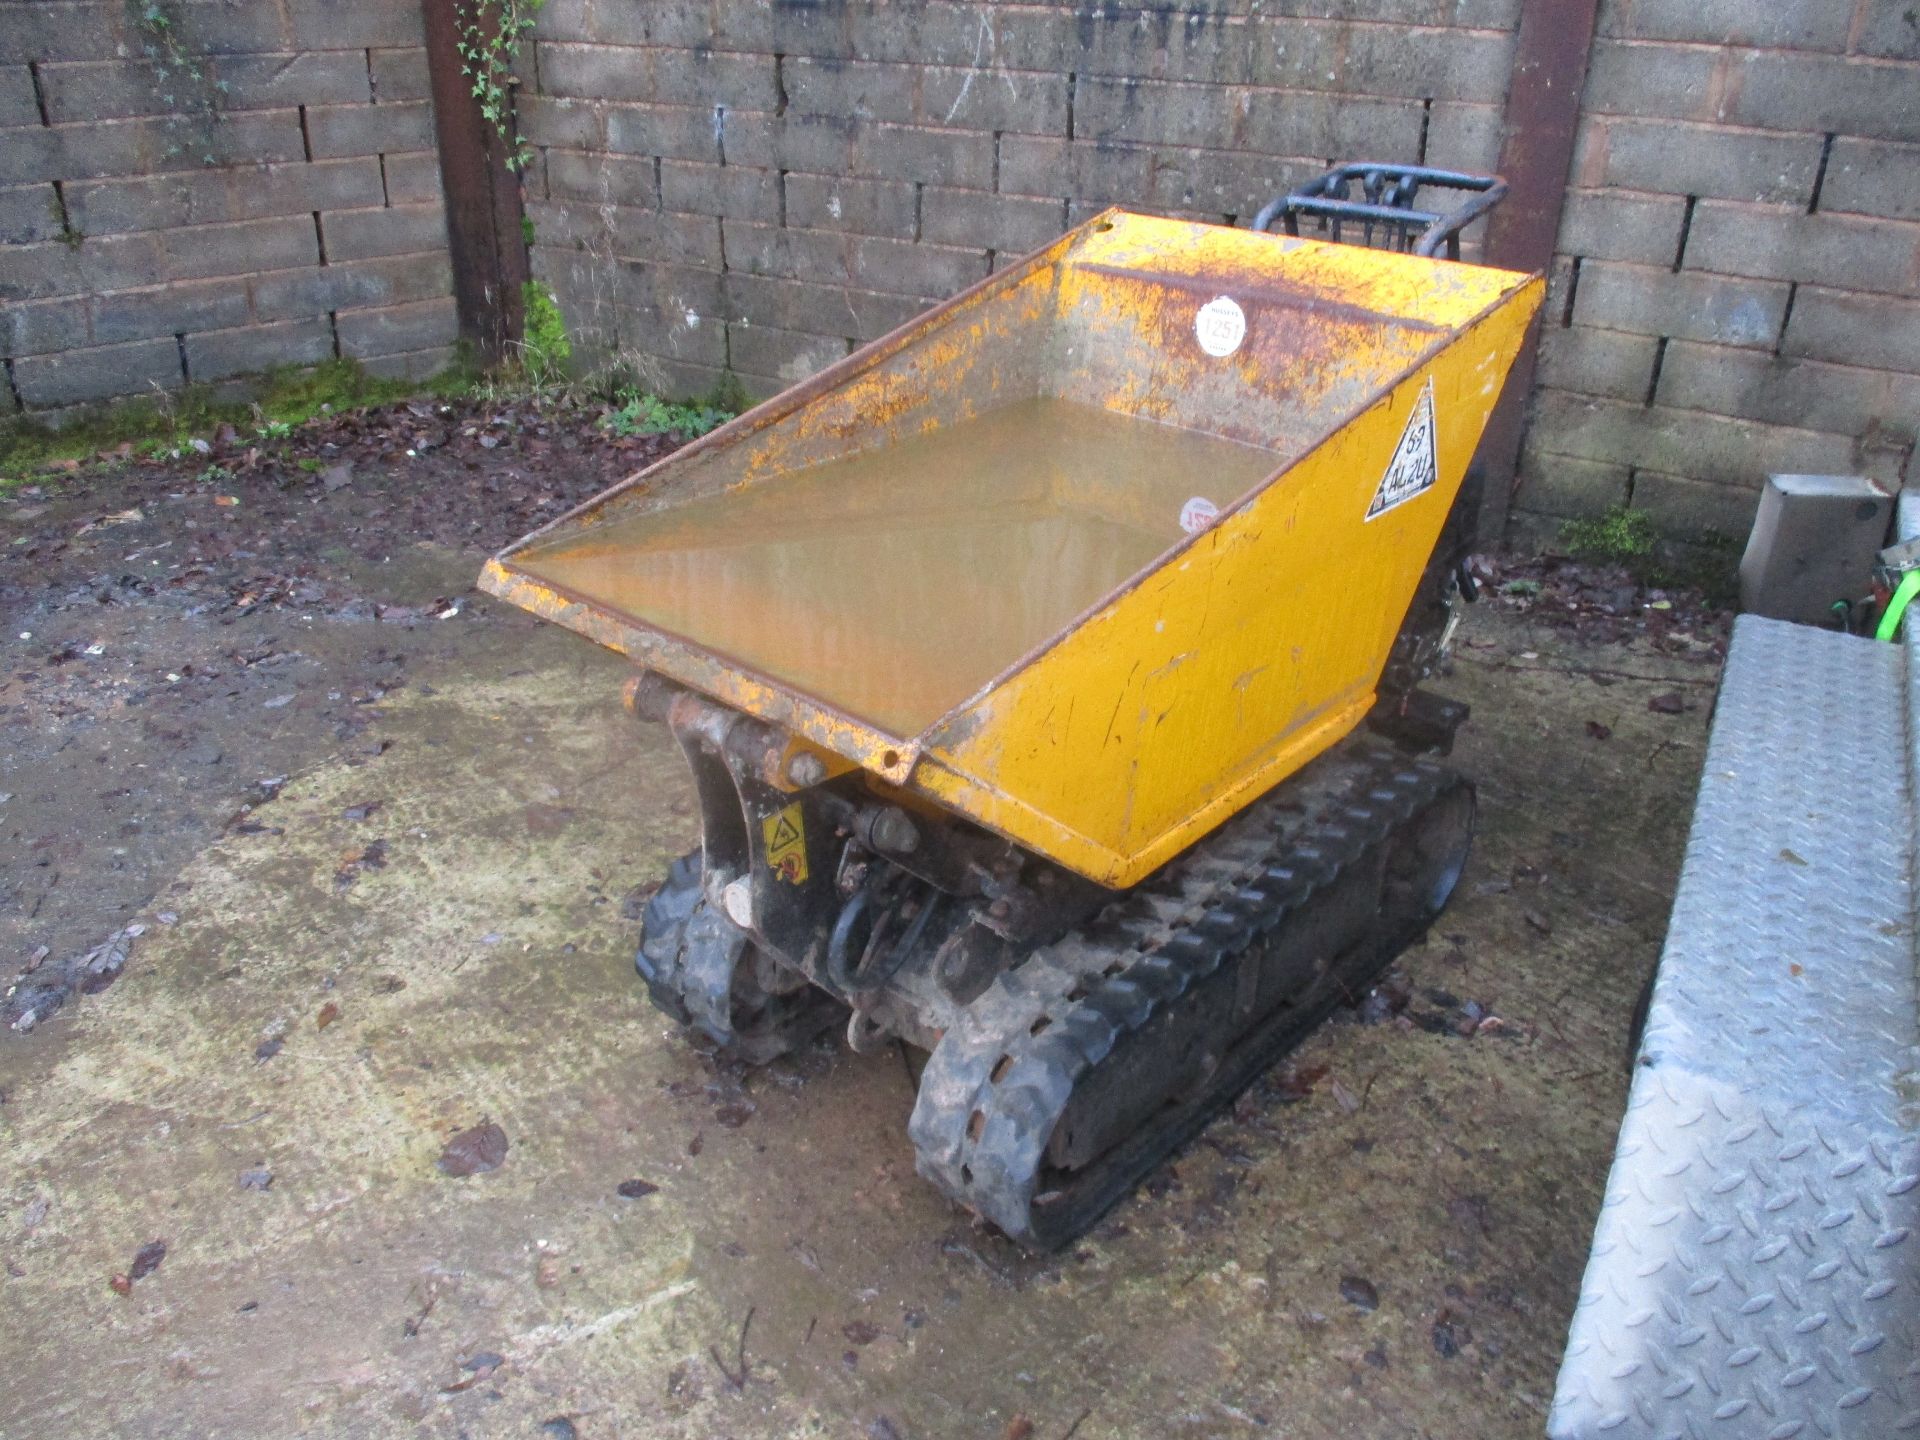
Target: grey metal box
[1814,542]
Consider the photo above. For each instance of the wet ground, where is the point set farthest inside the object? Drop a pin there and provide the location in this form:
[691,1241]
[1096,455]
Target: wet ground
[386,841]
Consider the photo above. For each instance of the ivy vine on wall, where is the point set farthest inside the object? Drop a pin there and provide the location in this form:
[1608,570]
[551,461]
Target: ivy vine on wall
[183,82]
[490,35]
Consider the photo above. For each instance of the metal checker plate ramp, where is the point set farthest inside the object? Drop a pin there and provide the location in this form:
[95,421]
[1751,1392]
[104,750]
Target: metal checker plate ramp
[1755,1271]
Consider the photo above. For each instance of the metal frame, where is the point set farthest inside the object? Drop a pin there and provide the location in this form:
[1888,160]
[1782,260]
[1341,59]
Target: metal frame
[1389,193]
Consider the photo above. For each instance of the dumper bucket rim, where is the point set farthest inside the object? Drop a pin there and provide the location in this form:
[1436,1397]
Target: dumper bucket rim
[893,756]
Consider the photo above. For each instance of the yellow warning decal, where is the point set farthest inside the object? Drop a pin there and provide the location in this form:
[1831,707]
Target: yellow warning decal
[786,838]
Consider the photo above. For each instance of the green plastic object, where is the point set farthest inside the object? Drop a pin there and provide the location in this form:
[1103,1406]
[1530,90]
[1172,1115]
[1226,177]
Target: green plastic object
[1897,607]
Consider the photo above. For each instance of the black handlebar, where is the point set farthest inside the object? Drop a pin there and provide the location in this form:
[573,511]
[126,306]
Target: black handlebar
[1386,201]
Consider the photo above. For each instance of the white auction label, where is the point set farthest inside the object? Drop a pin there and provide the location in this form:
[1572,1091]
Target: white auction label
[1220,326]
[1197,514]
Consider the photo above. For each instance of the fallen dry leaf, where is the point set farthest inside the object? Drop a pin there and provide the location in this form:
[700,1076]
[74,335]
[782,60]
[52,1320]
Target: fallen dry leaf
[473,1151]
[147,1259]
[329,1013]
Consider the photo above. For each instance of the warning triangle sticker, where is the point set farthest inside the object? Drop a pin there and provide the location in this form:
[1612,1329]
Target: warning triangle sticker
[784,834]
[1414,467]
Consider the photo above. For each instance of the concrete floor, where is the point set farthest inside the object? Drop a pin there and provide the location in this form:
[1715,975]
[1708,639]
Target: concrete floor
[791,1275]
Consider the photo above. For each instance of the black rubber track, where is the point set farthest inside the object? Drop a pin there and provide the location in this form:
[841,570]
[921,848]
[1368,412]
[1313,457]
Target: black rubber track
[1000,1080]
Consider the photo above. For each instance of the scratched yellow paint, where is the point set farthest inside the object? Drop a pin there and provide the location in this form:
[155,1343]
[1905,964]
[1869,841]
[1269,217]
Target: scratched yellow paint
[1239,655]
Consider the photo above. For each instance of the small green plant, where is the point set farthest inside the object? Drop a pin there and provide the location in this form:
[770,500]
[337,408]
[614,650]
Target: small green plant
[274,429]
[1523,588]
[1618,537]
[489,45]
[640,414]
[544,346]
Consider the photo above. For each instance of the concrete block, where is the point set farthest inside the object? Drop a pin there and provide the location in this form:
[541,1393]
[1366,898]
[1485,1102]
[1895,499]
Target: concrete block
[1814,542]
[400,75]
[1030,102]
[412,364]
[1462,136]
[992,222]
[1681,442]
[820,144]
[671,77]
[1568,488]
[86,30]
[391,280]
[627,232]
[1873,177]
[1621,225]
[1281,122]
[1891,29]
[101,90]
[670,289]
[109,262]
[788,355]
[1694,509]
[18,104]
[97,372]
[689,24]
[1785,243]
[204,197]
[42,326]
[1648,300]
[355,25]
[676,131]
[1875,330]
[1597,362]
[848,88]
[738,192]
[1212,183]
[923,153]
[29,213]
[870,207]
[897,267]
[1400,60]
[412,177]
[1785,390]
[1733,164]
[316,77]
[230,27]
[1204,45]
[599,177]
[398,329]
[1850,95]
[576,124]
[339,130]
[989,36]
[1804,24]
[200,252]
[123,315]
[1052,165]
[817,309]
[1641,79]
[395,230]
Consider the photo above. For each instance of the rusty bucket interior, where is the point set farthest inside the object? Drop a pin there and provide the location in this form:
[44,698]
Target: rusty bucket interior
[874,557]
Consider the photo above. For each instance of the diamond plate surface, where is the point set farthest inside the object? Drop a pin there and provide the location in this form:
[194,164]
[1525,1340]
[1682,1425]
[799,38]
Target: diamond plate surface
[1755,1270]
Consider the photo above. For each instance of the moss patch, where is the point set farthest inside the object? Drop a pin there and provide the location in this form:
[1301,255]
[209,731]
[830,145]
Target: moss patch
[288,398]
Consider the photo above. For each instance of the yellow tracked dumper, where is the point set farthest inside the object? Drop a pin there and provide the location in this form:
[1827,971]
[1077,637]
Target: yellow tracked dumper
[1047,671]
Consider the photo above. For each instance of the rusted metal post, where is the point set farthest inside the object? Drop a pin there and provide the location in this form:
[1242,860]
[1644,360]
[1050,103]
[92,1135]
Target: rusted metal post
[1536,156]
[484,233]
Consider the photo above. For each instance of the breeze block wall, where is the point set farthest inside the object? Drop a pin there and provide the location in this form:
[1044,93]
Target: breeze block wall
[761,185]
[1739,285]
[231,186]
